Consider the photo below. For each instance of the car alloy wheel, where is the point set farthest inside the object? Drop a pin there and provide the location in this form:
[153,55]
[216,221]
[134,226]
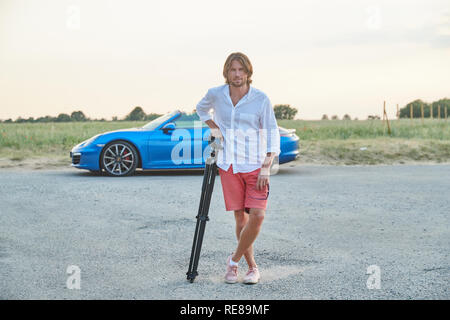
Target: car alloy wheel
[119,159]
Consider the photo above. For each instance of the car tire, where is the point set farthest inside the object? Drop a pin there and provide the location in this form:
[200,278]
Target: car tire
[119,159]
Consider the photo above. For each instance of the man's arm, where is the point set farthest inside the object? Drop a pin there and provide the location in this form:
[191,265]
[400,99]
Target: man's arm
[269,123]
[268,159]
[203,108]
[211,124]
[215,130]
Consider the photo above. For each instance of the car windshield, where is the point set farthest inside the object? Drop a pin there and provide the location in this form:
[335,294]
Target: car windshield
[158,121]
[186,120]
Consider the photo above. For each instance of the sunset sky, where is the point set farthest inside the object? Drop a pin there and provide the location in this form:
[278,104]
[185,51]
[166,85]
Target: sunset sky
[104,57]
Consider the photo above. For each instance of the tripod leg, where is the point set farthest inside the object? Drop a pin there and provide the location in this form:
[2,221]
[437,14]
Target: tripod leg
[191,274]
[208,185]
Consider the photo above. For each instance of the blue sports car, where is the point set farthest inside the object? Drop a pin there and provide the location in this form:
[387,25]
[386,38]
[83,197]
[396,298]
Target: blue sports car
[157,145]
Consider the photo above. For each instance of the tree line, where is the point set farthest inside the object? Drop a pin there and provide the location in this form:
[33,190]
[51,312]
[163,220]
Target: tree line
[281,111]
[138,114]
[436,108]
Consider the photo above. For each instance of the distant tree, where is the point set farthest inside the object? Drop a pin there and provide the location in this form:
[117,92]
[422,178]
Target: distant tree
[334,117]
[46,119]
[63,117]
[416,108]
[8,120]
[137,114]
[114,118]
[189,116]
[324,117]
[346,117]
[284,111]
[374,117]
[78,116]
[151,116]
[443,104]
[20,120]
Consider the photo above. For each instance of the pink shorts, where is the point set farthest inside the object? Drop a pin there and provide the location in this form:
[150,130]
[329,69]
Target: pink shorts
[239,190]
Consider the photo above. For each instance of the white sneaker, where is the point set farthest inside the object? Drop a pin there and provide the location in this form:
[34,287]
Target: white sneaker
[252,276]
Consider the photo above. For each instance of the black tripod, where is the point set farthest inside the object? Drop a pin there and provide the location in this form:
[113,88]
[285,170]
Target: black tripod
[202,216]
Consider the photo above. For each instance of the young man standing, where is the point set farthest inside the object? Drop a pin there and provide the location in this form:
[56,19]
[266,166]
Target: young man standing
[242,113]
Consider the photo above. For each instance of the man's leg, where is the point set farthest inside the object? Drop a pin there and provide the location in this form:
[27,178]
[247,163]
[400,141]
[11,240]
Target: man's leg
[241,220]
[249,232]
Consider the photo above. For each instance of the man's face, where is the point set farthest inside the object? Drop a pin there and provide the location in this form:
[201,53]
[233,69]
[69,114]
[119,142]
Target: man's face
[237,77]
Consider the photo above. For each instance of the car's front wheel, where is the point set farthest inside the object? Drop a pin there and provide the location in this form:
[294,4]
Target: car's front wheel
[119,158]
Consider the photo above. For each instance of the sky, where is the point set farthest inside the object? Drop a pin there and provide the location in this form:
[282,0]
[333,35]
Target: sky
[105,57]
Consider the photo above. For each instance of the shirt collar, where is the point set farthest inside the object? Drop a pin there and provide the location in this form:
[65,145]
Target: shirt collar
[247,97]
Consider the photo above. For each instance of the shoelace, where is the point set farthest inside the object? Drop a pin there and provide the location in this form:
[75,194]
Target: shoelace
[252,270]
[233,269]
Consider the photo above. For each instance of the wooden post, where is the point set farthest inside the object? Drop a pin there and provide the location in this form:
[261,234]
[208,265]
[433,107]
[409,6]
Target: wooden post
[421,111]
[386,117]
[410,112]
[439,112]
[431,111]
[445,111]
[389,126]
[398,113]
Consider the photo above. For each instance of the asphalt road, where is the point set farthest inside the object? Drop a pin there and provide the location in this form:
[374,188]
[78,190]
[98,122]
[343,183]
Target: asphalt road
[331,232]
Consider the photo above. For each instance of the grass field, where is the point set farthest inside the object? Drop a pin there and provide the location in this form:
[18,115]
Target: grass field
[368,142]
[323,142]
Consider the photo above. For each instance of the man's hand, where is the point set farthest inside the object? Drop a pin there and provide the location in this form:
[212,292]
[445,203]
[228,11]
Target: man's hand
[217,134]
[264,173]
[215,131]
[262,181]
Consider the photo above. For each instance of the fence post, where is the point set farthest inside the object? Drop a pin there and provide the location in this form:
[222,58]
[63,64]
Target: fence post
[386,117]
[421,111]
[439,112]
[431,111]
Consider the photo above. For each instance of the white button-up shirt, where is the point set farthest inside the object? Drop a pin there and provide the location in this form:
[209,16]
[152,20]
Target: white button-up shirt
[249,129]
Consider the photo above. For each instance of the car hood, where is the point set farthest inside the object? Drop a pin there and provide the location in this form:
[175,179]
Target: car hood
[123,130]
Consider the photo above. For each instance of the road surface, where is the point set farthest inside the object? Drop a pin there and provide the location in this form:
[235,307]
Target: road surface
[330,232]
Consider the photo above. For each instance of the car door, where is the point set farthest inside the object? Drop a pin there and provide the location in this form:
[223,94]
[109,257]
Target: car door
[160,147]
[183,147]
[198,145]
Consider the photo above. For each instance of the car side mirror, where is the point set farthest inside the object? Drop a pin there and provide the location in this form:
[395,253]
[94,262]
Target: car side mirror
[168,128]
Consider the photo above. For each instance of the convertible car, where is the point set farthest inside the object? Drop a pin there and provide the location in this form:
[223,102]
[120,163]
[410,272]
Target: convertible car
[157,145]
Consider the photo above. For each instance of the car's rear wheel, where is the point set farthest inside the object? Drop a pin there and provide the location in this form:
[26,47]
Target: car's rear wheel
[119,158]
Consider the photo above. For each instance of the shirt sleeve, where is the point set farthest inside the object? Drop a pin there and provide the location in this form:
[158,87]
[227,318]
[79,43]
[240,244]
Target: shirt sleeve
[204,107]
[269,123]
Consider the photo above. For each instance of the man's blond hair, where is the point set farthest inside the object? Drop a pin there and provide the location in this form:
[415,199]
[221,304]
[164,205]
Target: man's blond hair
[242,59]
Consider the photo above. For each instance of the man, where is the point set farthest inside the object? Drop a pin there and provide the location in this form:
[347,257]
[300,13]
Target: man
[241,113]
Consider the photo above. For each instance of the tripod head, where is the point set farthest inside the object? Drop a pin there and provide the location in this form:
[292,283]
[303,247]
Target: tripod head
[216,145]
